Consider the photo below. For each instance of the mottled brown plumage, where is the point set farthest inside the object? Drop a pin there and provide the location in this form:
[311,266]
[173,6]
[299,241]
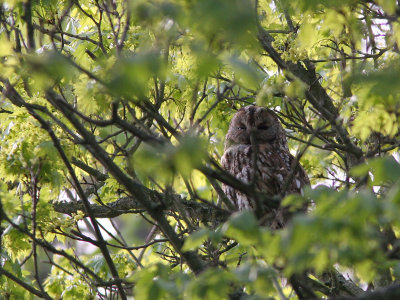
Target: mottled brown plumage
[258,128]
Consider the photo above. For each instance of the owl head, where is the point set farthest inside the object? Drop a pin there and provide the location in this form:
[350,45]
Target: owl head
[259,122]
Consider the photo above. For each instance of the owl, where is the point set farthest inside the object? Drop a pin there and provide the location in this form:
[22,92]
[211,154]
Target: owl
[256,152]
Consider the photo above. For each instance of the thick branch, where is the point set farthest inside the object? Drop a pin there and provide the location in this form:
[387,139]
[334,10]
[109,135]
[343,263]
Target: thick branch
[390,292]
[199,211]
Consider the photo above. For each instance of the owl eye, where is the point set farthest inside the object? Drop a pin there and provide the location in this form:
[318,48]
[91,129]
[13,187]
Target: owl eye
[241,127]
[262,127]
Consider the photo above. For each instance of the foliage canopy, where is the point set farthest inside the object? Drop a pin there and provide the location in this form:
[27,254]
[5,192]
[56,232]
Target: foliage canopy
[112,120]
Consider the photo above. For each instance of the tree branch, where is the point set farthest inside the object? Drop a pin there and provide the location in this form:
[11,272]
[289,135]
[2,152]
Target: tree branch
[390,292]
[196,210]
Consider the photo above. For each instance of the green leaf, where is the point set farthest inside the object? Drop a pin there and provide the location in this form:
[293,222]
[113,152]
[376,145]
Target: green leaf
[207,63]
[130,75]
[259,277]
[16,243]
[379,85]
[148,285]
[99,265]
[47,148]
[243,227]
[388,6]
[161,161]
[295,202]
[232,20]
[196,239]
[246,73]
[384,170]
[49,68]
[211,284]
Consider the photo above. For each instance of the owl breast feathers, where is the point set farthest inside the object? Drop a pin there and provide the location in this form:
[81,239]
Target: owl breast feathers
[256,152]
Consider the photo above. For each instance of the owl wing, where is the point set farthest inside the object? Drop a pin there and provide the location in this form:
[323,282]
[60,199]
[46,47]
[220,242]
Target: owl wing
[275,168]
[236,161]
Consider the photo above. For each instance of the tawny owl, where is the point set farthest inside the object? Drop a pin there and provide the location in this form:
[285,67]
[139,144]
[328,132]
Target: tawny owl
[268,168]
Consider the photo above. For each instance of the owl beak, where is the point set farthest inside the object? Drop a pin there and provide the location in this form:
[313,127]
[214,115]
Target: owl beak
[253,136]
